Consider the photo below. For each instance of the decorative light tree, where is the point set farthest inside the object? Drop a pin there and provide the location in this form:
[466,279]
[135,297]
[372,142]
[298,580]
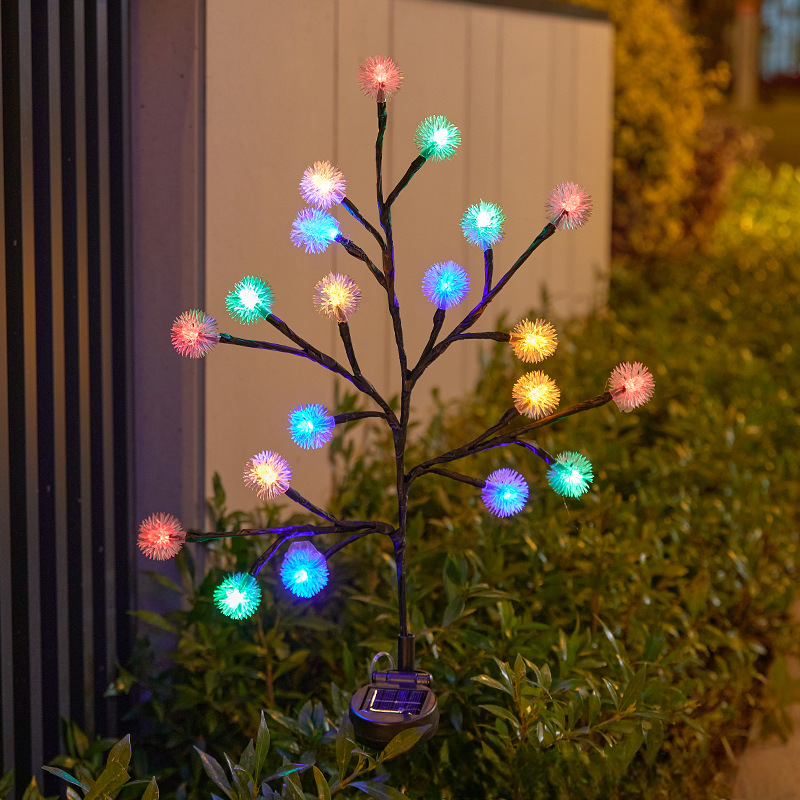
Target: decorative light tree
[304,570]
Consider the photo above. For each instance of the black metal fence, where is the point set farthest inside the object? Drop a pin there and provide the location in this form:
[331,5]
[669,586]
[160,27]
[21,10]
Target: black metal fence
[65,546]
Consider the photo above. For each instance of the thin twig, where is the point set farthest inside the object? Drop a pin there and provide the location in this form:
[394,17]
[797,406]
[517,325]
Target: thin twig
[315,354]
[594,402]
[457,476]
[351,207]
[412,170]
[195,535]
[536,450]
[438,321]
[354,538]
[481,443]
[344,333]
[293,494]
[352,416]
[358,253]
[488,269]
[312,530]
[476,312]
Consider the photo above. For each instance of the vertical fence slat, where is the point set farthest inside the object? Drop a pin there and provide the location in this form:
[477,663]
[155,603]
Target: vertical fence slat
[6,673]
[65,547]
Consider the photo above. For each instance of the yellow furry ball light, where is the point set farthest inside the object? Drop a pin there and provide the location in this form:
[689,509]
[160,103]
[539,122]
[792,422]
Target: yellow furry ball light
[536,395]
[533,341]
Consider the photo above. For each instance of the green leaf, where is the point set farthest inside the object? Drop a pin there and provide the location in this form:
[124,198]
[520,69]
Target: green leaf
[158,621]
[32,792]
[288,769]
[654,740]
[81,740]
[612,691]
[262,747]
[122,683]
[379,790]
[621,754]
[345,744]
[248,760]
[519,669]
[654,645]
[6,783]
[453,612]
[403,742]
[214,771]
[72,794]
[546,677]
[292,782]
[503,713]
[323,792]
[66,776]
[634,689]
[151,792]
[109,782]
[84,775]
[242,782]
[304,722]
[487,681]
[348,665]
[121,752]
[163,580]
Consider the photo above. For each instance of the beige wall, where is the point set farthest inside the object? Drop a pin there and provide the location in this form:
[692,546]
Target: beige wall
[532,95]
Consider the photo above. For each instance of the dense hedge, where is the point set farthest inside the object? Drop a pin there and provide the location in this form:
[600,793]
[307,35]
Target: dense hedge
[655,602]
[665,175]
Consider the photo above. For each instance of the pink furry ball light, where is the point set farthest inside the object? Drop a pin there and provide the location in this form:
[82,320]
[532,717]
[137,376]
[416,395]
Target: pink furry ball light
[161,536]
[194,333]
[569,205]
[379,77]
[631,385]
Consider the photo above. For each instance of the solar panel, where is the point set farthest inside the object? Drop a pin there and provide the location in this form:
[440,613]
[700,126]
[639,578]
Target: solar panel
[396,701]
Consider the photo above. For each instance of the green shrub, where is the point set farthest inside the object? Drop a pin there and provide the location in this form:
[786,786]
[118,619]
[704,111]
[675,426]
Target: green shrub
[661,93]
[680,565]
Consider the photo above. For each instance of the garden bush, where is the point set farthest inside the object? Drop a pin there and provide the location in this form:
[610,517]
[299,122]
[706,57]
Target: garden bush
[613,646]
[665,175]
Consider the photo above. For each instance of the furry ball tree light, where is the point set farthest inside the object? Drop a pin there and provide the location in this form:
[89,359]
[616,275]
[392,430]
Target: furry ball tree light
[399,698]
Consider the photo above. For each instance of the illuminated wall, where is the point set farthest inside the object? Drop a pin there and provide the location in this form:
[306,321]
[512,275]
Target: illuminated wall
[531,91]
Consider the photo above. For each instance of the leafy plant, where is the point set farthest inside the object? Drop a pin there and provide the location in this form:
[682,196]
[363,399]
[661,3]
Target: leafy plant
[661,95]
[93,778]
[683,560]
[245,782]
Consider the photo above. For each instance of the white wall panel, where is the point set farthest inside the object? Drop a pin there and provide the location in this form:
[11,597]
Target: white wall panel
[531,93]
[269,113]
[364,30]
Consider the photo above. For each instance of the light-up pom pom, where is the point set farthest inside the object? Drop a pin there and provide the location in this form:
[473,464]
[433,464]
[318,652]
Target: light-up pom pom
[569,205]
[311,426]
[250,300]
[379,77]
[304,571]
[437,138]
[446,284]
[194,334]
[337,296]
[161,536]
[536,395]
[268,474]
[483,224]
[570,475]
[323,185]
[631,385]
[505,492]
[238,596]
[533,341]
[314,230]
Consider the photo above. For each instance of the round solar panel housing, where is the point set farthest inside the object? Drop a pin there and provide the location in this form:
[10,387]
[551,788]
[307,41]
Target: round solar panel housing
[393,702]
